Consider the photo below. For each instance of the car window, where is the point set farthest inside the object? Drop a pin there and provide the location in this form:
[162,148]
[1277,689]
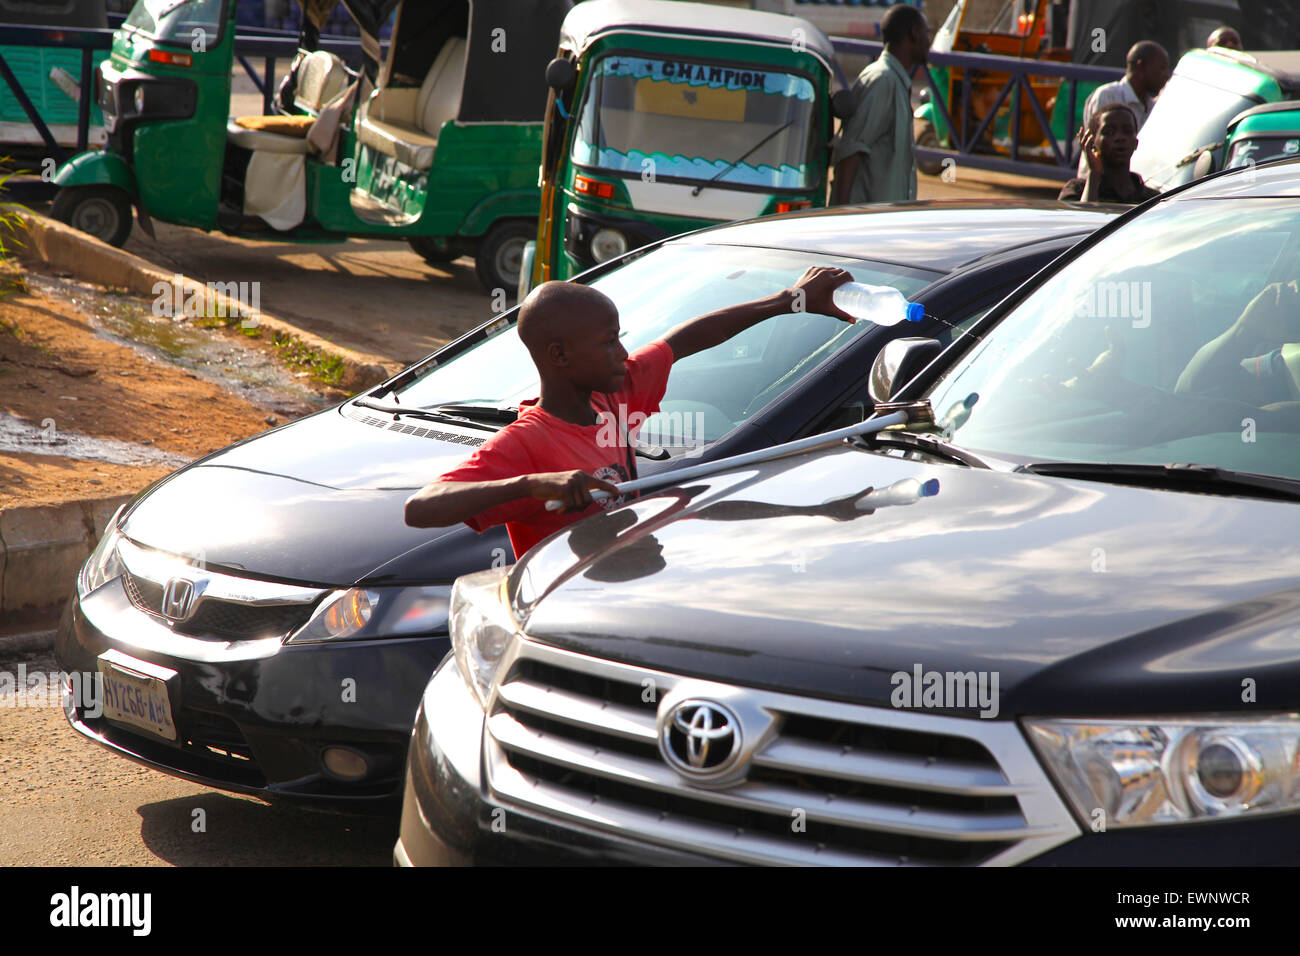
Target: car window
[1175,339]
[711,392]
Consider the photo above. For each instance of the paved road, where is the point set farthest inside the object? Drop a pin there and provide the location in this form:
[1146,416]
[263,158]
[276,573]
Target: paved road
[65,801]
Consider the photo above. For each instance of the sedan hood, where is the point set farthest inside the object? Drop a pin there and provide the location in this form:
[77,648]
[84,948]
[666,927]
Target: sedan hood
[317,501]
[1081,596]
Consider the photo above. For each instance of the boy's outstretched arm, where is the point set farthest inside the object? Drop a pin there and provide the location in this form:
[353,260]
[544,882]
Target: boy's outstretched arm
[441,503]
[812,293]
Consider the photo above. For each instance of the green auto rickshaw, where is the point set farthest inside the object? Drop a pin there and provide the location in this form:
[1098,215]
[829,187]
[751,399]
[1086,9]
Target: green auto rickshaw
[665,117]
[1216,102]
[437,145]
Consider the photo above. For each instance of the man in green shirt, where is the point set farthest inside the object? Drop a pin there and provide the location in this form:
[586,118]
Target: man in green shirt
[874,161]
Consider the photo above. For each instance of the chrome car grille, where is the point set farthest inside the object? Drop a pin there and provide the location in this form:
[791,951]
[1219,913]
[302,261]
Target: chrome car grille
[229,609]
[576,737]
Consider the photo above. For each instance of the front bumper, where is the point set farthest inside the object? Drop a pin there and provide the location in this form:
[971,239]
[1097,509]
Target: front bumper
[255,717]
[448,817]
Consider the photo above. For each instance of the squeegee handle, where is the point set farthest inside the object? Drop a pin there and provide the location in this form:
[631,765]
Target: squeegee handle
[679,475]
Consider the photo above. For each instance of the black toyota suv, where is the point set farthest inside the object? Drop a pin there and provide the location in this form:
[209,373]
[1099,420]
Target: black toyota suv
[1053,620]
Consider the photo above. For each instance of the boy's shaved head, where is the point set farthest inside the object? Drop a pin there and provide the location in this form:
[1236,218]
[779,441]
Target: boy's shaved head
[559,312]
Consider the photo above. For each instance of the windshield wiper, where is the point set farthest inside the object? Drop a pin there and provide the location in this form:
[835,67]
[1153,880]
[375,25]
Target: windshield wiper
[486,413]
[923,443]
[737,162]
[1209,478]
[425,413]
[1191,157]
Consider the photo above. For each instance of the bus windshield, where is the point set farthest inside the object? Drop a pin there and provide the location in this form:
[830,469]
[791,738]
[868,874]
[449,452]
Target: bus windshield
[689,120]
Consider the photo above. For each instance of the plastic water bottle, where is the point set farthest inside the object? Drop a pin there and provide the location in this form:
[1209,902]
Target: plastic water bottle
[906,491]
[880,304]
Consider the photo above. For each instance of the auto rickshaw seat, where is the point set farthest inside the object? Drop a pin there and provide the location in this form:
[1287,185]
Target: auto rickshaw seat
[321,77]
[404,122]
[257,139]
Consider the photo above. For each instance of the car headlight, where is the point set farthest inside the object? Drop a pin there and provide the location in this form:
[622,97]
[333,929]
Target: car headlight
[481,627]
[103,565]
[138,99]
[1148,771]
[607,244]
[358,614]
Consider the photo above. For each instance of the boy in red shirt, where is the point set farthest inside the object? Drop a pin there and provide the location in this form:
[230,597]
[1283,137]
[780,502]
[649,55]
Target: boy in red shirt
[571,440]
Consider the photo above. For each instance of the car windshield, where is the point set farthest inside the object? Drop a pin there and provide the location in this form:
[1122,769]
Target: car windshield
[711,392]
[1261,149]
[1175,339]
[182,21]
[694,120]
[1189,116]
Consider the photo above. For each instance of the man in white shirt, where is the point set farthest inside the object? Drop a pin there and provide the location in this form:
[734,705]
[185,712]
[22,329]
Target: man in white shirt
[1146,73]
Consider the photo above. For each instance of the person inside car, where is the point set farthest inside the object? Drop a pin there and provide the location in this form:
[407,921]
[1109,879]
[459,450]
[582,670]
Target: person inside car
[1258,357]
[1250,371]
[1108,143]
[577,437]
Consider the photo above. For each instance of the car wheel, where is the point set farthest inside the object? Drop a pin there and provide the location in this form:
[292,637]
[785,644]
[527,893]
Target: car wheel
[927,136]
[500,254]
[102,211]
[430,252]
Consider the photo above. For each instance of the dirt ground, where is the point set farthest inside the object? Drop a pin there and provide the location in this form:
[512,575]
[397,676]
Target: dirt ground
[58,372]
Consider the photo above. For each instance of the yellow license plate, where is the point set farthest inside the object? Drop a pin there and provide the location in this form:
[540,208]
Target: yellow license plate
[135,693]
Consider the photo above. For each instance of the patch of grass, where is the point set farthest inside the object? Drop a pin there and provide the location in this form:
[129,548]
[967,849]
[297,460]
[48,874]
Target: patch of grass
[10,225]
[327,369]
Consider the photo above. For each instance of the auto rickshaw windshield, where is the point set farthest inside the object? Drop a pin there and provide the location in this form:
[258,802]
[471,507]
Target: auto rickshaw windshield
[177,20]
[1262,149]
[695,120]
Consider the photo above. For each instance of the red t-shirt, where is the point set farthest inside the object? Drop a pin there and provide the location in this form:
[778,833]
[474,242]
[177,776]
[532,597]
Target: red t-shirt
[539,442]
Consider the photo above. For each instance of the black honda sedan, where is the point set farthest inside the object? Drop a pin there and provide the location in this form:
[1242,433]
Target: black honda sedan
[264,621]
[1057,621]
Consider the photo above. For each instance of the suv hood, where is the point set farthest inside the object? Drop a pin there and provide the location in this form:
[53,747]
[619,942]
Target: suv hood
[317,501]
[1084,597]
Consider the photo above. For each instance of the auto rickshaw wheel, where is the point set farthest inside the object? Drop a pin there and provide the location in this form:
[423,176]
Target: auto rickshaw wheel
[927,136]
[426,249]
[500,254]
[102,211]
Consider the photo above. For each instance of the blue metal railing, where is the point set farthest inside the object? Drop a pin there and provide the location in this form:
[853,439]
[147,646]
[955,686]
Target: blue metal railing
[269,45]
[968,135]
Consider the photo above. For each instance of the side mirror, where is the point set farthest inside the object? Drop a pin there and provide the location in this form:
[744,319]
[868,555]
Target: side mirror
[843,103]
[560,73]
[896,365]
[1204,164]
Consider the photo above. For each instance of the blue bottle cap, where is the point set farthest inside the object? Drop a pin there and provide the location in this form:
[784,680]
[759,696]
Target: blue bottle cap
[915,311]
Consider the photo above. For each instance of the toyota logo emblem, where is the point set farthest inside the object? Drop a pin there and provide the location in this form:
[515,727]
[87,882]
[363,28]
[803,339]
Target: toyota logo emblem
[178,599]
[700,738]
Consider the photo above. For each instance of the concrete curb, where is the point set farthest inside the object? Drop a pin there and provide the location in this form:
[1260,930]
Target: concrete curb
[34,642]
[64,248]
[43,548]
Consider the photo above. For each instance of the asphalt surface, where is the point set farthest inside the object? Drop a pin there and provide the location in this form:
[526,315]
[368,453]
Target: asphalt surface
[67,802]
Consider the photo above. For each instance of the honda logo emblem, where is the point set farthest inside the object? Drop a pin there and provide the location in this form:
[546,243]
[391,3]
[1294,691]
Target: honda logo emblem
[178,599]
